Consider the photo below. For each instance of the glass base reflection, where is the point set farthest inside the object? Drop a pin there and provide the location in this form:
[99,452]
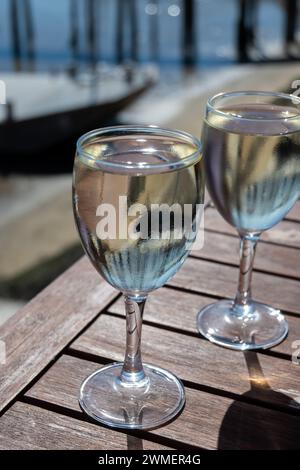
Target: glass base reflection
[260,328]
[146,404]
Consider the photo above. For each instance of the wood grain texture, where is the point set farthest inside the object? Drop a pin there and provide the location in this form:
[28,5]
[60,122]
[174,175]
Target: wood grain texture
[207,277]
[175,309]
[270,258]
[197,360]
[207,421]
[294,213]
[25,427]
[38,332]
[284,233]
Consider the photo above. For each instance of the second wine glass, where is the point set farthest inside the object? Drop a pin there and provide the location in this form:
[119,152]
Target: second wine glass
[251,148]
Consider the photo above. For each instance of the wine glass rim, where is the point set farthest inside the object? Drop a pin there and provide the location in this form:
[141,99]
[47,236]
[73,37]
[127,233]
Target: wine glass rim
[185,137]
[211,103]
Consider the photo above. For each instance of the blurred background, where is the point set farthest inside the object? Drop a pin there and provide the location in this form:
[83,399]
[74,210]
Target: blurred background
[68,66]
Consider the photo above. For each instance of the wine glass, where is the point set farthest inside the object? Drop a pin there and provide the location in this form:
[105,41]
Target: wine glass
[131,187]
[251,149]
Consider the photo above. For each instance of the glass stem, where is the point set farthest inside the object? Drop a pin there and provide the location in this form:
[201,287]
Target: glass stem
[243,302]
[133,371]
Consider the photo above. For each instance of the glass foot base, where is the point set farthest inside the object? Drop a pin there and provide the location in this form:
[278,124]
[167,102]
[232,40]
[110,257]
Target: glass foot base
[262,328]
[145,405]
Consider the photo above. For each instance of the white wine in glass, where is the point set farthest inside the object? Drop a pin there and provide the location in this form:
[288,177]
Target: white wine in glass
[131,189]
[251,148]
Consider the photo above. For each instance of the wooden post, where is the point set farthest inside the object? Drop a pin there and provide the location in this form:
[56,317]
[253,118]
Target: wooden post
[246,28]
[120,31]
[91,32]
[189,39]
[154,34]
[15,34]
[242,38]
[133,30]
[290,23]
[74,33]
[29,31]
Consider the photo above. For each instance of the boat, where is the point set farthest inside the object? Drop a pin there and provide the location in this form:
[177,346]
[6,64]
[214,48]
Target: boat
[44,115]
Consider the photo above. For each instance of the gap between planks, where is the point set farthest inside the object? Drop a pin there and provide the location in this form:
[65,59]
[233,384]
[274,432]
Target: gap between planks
[252,398]
[208,420]
[282,351]
[198,361]
[28,426]
[206,277]
[53,318]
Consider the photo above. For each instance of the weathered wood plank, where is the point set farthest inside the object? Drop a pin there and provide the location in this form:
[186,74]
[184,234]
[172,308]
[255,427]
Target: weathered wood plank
[284,233]
[207,421]
[211,278]
[27,427]
[38,332]
[294,213]
[170,308]
[175,309]
[197,360]
[270,258]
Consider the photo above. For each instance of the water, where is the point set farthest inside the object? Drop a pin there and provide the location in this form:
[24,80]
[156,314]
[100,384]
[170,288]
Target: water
[215,35]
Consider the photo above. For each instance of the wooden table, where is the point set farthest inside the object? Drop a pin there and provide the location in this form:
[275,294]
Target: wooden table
[234,400]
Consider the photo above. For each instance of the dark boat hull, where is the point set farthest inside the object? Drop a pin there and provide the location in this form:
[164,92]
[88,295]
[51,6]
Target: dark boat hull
[47,144]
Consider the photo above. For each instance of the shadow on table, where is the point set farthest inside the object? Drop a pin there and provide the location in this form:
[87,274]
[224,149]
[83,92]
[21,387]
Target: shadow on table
[134,443]
[246,426]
